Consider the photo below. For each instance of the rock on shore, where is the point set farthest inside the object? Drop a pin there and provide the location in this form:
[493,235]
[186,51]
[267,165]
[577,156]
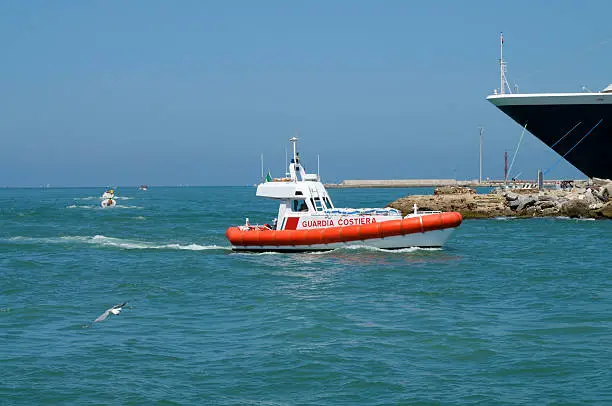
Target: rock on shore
[593,201]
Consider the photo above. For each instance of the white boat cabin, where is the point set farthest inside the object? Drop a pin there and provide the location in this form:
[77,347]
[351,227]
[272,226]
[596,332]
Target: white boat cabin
[305,203]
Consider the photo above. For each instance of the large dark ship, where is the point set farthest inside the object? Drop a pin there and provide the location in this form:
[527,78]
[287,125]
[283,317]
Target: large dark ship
[578,126]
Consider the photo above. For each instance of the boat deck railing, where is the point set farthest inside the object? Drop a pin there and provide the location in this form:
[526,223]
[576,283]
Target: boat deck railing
[387,211]
[419,213]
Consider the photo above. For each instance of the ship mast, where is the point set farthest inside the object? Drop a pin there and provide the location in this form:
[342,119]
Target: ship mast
[502,65]
[503,81]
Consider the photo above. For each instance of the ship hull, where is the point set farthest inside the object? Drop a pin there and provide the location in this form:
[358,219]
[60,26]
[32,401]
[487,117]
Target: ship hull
[576,126]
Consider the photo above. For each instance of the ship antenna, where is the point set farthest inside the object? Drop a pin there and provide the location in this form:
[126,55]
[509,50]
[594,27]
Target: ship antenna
[294,160]
[503,82]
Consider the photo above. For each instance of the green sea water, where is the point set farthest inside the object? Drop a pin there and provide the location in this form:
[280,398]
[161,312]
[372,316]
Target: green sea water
[508,312]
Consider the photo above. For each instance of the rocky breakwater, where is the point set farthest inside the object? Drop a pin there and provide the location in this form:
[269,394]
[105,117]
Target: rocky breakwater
[592,201]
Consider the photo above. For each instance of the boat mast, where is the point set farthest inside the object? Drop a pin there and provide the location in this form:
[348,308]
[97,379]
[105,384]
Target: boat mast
[503,81]
[262,175]
[293,167]
[294,141]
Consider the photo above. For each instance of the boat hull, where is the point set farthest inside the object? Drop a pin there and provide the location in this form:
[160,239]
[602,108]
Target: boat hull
[421,231]
[431,239]
[108,203]
[576,126]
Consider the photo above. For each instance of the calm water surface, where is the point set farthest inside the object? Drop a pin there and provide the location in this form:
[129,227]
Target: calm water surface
[509,312]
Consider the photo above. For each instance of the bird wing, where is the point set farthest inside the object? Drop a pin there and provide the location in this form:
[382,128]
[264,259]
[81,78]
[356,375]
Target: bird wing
[119,306]
[102,316]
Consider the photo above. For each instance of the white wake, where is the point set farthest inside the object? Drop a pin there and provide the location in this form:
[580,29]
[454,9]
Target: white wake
[103,241]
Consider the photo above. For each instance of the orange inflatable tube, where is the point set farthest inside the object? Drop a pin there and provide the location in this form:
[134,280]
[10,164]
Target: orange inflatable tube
[262,236]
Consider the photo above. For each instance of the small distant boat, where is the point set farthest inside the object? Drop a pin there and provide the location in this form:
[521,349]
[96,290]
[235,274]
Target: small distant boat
[108,203]
[108,198]
[143,187]
[108,194]
[308,220]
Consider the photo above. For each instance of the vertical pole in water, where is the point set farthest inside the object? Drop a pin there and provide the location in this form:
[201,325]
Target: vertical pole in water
[480,173]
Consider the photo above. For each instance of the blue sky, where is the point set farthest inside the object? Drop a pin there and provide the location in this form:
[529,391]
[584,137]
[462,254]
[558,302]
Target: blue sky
[102,93]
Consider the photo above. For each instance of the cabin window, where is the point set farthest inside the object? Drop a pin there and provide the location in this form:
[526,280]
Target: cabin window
[295,205]
[317,204]
[299,193]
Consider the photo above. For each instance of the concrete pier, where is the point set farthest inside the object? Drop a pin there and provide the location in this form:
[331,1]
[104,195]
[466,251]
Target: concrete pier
[404,183]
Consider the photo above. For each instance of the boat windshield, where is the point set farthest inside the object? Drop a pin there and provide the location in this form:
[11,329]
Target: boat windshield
[299,205]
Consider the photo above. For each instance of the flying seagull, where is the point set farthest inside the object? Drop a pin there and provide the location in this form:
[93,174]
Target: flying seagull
[116,309]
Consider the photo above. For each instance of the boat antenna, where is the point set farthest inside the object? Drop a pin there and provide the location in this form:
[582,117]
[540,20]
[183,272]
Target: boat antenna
[318,172]
[294,141]
[294,166]
[262,175]
[503,81]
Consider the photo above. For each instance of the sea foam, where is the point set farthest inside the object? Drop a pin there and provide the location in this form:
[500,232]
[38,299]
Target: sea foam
[103,241]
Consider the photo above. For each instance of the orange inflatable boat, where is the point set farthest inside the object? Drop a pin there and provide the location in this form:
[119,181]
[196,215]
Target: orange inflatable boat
[264,238]
[308,220]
